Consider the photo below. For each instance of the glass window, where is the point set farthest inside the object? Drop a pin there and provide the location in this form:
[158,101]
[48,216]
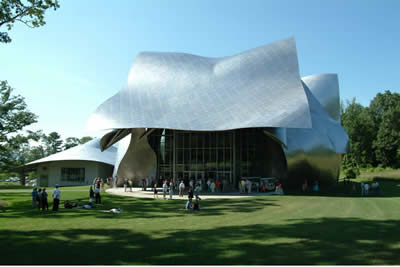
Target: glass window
[73,174]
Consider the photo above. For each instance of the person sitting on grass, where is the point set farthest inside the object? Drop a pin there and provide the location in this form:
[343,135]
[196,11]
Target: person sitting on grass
[196,205]
[188,205]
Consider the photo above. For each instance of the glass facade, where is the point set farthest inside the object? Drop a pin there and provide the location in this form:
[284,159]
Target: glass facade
[222,155]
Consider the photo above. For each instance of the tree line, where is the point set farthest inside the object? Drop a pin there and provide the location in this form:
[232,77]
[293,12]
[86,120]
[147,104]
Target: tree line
[374,132]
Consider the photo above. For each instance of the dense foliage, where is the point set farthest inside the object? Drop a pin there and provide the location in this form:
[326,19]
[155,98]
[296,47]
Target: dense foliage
[374,132]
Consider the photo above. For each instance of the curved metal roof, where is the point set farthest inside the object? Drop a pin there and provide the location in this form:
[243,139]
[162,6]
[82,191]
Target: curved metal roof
[325,88]
[89,151]
[258,88]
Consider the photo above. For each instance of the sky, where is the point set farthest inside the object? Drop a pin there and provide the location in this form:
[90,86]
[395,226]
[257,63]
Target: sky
[83,54]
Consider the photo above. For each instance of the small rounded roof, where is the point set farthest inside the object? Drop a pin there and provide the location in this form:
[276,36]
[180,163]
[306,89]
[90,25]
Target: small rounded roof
[89,151]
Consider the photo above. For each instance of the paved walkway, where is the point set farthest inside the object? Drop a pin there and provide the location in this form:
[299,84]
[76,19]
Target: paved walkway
[137,192]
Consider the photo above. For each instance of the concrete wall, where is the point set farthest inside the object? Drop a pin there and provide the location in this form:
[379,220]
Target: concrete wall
[53,171]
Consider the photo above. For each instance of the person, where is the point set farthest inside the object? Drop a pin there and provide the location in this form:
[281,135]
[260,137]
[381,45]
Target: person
[171,189]
[218,185]
[125,184]
[190,193]
[130,184]
[279,188]
[191,183]
[155,191]
[243,182]
[56,198]
[102,185]
[188,205]
[362,189]
[377,189]
[304,187]
[39,198]
[201,184]
[196,205]
[34,198]
[44,200]
[353,188]
[164,188]
[197,191]
[181,188]
[97,195]
[98,183]
[143,184]
[316,186]
[209,185]
[248,184]
[68,205]
[212,186]
[91,194]
[366,189]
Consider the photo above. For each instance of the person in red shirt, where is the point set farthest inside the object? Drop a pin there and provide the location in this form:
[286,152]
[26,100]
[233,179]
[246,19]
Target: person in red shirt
[217,185]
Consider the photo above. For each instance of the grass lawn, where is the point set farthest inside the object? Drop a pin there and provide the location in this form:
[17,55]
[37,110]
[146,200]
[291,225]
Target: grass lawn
[335,228]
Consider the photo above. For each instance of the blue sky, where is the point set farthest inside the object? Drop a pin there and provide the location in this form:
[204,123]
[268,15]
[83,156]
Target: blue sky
[82,56]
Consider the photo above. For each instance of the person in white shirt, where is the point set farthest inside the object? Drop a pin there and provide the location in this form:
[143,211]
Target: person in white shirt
[181,188]
[164,188]
[366,188]
[56,198]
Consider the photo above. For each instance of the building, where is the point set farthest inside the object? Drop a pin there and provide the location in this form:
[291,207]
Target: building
[78,165]
[187,117]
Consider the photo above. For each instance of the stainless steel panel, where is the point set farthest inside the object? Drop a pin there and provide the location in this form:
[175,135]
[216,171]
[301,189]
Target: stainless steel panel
[139,161]
[258,88]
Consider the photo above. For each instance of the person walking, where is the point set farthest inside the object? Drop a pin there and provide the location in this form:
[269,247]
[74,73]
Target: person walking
[125,184]
[56,198]
[35,195]
[44,200]
[155,191]
[171,189]
[181,188]
[164,189]
[130,184]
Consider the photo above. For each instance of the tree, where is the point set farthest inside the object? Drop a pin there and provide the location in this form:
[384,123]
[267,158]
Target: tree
[85,139]
[14,116]
[362,131]
[385,111]
[71,142]
[53,143]
[29,12]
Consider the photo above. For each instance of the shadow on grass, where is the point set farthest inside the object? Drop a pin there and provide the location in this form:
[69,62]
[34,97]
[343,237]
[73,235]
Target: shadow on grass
[131,207]
[311,241]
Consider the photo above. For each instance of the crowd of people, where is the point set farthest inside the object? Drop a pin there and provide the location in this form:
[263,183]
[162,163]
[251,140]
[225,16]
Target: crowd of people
[40,198]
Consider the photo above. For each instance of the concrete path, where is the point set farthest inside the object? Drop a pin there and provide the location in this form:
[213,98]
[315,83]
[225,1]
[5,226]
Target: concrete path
[137,192]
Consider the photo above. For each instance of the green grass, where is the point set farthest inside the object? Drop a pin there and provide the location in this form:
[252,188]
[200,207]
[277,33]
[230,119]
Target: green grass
[337,228]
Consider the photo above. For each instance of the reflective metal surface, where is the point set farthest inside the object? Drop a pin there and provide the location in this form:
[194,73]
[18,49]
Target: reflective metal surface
[89,151]
[315,153]
[325,88]
[258,88]
[138,160]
